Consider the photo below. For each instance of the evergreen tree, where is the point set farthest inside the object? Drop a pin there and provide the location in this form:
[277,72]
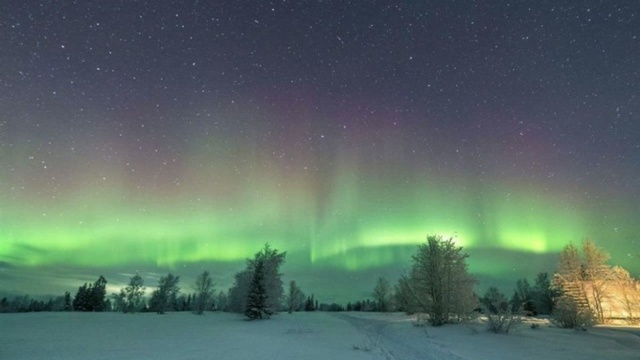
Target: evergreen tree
[544,294]
[525,296]
[91,297]
[309,305]
[271,260]
[67,302]
[81,302]
[97,294]
[257,307]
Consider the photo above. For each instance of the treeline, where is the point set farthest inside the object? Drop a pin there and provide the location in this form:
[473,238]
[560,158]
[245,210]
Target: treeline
[257,293]
[438,287]
[583,291]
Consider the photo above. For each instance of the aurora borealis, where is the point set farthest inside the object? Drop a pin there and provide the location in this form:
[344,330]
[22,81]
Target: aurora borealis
[178,135]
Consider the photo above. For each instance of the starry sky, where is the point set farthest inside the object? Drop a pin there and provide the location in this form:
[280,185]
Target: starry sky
[159,136]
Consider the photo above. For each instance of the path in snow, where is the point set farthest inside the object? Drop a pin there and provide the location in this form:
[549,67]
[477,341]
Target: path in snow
[395,345]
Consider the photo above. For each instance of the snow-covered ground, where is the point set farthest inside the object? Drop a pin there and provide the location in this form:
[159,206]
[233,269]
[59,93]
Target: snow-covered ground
[298,336]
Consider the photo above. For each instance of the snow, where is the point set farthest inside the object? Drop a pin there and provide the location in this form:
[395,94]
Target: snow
[294,336]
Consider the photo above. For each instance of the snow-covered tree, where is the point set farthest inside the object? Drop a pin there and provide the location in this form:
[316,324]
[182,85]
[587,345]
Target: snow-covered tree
[257,307]
[599,274]
[383,295]
[440,283]
[294,298]
[627,296]
[237,300]
[204,292]
[271,260]
[404,296]
[585,281]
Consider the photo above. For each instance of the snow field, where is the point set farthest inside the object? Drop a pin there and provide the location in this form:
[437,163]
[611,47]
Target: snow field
[173,336]
[312,336]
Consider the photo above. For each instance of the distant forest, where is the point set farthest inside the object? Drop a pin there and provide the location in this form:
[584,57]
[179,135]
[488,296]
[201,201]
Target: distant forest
[584,290]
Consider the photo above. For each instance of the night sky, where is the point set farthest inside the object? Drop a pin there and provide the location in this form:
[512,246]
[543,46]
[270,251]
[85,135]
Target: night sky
[159,136]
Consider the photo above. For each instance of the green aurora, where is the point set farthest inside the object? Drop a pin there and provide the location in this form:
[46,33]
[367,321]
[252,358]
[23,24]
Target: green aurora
[351,230]
[151,137]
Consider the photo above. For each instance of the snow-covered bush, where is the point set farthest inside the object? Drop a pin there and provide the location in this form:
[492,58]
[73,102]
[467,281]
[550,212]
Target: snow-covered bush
[567,314]
[500,316]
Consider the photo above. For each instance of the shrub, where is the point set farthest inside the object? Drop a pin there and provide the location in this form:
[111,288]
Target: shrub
[500,316]
[567,314]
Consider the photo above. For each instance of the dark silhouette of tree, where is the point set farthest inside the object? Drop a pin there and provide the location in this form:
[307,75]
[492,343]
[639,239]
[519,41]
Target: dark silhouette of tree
[523,298]
[309,305]
[98,294]
[67,302]
[81,301]
[165,295]
[222,301]
[91,297]
[134,294]
[204,292]
[544,294]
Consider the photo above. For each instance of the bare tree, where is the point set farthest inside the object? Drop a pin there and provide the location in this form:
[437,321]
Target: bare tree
[585,281]
[294,297]
[571,309]
[501,318]
[204,292]
[404,295]
[221,301]
[134,294]
[598,274]
[627,290]
[382,295]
